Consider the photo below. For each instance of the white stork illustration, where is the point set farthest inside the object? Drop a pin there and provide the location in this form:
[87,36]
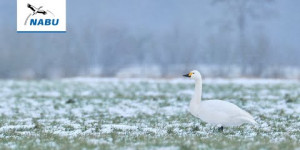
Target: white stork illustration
[36,10]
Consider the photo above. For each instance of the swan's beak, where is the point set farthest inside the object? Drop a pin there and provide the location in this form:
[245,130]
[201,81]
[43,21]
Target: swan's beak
[188,75]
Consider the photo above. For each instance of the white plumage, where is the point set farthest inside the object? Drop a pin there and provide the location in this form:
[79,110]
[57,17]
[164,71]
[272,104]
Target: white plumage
[216,112]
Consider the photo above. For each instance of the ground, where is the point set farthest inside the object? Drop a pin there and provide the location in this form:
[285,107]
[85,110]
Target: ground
[89,113]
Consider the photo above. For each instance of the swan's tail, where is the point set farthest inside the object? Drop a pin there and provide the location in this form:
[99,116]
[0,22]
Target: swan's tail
[249,120]
[252,121]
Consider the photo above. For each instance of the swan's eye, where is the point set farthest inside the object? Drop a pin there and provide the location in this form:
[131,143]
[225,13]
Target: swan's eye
[193,73]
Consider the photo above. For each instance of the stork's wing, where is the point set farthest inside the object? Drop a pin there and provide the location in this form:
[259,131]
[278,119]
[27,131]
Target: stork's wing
[31,7]
[42,12]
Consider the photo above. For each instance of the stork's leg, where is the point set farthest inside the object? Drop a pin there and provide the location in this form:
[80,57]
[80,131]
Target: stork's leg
[220,129]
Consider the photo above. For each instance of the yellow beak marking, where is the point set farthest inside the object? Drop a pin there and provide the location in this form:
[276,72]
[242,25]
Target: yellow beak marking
[190,74]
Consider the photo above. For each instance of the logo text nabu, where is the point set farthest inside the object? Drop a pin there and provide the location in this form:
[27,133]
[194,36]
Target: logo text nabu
[44,22]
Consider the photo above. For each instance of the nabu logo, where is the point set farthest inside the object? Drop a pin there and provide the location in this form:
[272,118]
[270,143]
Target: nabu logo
[40,22]
[41,15]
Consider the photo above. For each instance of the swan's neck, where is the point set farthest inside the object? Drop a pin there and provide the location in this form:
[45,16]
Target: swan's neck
[198,91]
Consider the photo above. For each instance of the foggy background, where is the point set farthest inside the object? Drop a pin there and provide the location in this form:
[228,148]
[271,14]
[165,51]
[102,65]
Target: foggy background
[158,38]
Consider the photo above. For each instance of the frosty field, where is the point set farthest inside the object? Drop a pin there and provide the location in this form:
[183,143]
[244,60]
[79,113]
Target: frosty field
[113,113]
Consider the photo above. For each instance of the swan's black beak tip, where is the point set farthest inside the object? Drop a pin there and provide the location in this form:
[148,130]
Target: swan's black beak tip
[186,75]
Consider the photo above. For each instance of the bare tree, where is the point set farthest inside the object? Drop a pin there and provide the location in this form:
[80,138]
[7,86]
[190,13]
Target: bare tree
[242,11]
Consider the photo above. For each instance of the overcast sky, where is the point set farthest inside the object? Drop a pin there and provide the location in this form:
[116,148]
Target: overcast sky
[156,16]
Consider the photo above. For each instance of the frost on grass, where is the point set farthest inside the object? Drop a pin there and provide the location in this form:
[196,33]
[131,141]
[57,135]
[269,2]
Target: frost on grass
[141,113]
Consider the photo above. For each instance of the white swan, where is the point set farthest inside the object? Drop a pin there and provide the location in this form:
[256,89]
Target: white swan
[216,112]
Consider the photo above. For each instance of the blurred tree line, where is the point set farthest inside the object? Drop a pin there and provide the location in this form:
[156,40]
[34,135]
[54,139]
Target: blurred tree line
[103,50]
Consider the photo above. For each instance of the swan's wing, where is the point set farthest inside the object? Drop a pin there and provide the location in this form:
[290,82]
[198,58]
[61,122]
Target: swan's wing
[224,107]
[226,113]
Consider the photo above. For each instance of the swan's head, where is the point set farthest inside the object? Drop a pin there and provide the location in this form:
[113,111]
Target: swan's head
[193,75]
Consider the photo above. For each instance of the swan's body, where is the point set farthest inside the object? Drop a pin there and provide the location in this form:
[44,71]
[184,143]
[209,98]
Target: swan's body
[216,112]
[220,112]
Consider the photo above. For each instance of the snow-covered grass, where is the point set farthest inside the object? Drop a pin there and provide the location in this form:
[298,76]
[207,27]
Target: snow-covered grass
[95,113]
